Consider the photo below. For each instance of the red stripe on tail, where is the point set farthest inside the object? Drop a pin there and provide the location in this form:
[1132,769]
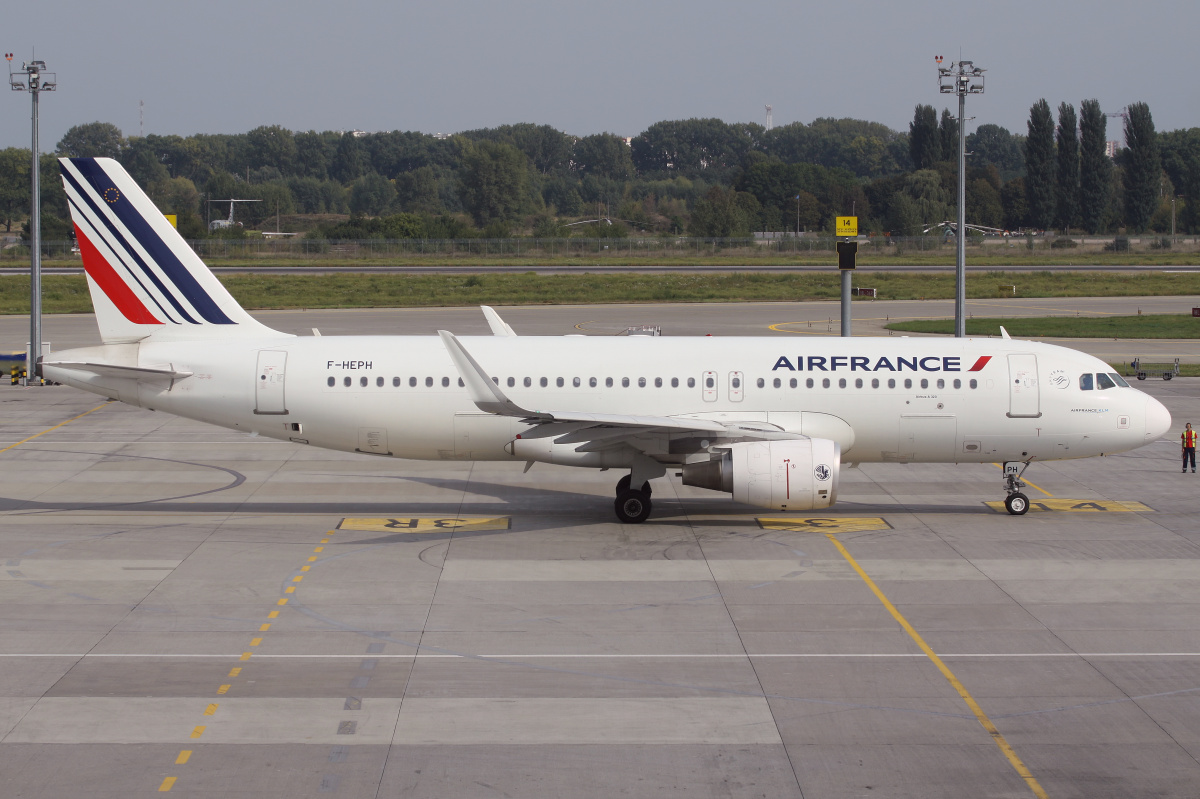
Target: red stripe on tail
[101,271]
[982,362]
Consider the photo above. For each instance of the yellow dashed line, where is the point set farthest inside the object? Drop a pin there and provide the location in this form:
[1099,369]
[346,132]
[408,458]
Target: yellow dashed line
[255,641]
[305,568]
[291,589]
[211,709]
[51,430]
[980,716]
[319,549]
[221,691]
[183,757]
[235,671]
[166,785]
[263,628]
[281,602]
[313,559]
[198,731]
[297,578]
[246,656]
[273,614]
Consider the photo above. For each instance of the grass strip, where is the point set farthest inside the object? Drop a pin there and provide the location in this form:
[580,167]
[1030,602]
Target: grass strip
[1115,327]
[68,293]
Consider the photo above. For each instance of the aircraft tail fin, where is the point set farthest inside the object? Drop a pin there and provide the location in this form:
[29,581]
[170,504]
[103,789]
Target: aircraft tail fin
[145,281]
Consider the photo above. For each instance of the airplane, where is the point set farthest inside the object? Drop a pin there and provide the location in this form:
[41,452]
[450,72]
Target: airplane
[768,420]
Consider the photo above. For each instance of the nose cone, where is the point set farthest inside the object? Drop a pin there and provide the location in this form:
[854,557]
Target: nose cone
[1158,419]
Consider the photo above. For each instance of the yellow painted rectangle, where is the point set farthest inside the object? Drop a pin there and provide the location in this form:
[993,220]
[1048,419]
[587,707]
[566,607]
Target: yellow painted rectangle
[847,226]
[426,524]
[235,671]
[255,641]
[1059,505]
[183,757]
[166,785]
[198,731]
[823,524]
[223,690]
[211,709]
[273,614]
[264,627]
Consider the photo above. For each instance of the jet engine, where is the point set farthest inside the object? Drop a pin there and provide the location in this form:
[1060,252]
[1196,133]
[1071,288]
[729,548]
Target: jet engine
[783,475]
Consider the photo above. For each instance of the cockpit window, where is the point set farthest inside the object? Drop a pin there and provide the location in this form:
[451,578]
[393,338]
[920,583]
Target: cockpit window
[1120,381]
[1085,382]
[1103,381]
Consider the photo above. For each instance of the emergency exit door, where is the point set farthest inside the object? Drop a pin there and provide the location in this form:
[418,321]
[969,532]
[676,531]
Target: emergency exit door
[269,382]
[1024,400]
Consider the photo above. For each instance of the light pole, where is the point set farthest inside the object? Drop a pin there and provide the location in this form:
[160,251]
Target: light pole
[35,80]
[961,78]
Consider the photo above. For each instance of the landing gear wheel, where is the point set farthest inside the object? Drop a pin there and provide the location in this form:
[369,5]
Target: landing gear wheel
[1017,504]
[633,507]
[623,485]
[1141,375]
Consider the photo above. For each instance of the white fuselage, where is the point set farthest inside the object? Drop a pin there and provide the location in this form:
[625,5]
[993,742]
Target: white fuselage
[401,396]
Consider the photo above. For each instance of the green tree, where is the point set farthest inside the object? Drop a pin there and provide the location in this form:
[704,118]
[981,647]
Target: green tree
[349,161]
[924,138]
[1095,168]
[314,152]
[725,213]
[371,194]
[1067,195]
[603,154]
[14,185]
[1143,168]
[272,145]
[992,145]
[1014,199]
[1040,166]
[93,140]
[948,135]
[493,180]
[1180,151]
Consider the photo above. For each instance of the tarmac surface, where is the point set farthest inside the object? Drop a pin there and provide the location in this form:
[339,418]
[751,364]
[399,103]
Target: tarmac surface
[189,610]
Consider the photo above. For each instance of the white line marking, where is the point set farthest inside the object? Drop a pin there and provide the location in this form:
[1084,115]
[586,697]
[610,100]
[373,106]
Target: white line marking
[543,656]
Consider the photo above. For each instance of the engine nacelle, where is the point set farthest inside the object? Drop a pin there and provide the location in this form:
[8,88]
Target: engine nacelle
[782,475]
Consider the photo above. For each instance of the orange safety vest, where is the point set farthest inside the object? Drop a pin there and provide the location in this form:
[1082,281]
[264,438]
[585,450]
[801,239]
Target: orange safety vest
[1189,439]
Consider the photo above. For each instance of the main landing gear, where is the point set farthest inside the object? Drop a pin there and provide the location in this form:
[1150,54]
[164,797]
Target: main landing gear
[632,505]
[1015,503]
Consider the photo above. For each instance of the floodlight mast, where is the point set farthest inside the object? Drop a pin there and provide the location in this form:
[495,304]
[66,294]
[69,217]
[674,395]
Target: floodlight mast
[35,80]
[961,78]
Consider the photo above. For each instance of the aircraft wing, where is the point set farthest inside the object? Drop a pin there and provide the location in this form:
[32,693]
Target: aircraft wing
[592,430]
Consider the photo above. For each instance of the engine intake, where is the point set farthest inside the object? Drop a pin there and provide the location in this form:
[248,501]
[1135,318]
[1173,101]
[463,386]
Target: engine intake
[782,475]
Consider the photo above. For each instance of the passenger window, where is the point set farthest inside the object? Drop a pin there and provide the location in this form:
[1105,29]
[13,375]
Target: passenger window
[777,382]
[941,383]
[1104,381]
[691,382]
[346,382]
[1120,381]
[874,382]
[624,382]
[974,383]
[362,381]
[808,383]
[512,381]
[1085,382]
[332,381]
[762,383]
[412,382]
[957,383]
[445,382]
[924,383]
[825,383]
[543,382]
[528,382]
[658,382]
[858,382]
[558,382]
[575,381]
[429,382]
[907,383]
[737,382]
[641,382]
[461,384]
[674,382]
[891,382]
[591,382]
[841,382]
[608,382]
[395,382]
[379,382]
[708,382]
[792,383]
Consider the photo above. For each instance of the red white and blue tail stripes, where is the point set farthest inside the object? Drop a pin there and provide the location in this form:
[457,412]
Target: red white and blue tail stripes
[139,263]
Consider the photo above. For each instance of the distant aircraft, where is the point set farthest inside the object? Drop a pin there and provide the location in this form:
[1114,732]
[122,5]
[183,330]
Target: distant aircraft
[768,420]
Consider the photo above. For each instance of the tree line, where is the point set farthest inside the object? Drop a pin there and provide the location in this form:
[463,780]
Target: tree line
[702,177]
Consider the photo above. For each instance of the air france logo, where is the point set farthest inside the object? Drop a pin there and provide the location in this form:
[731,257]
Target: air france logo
[822,472]
[862,363]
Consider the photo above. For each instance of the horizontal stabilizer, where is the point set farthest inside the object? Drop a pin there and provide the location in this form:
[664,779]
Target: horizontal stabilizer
[143,373]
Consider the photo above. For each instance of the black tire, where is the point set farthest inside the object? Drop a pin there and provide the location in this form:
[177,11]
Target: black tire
[1141,375]
[1017,504]
[623,485]
[1168,376]
[633,507]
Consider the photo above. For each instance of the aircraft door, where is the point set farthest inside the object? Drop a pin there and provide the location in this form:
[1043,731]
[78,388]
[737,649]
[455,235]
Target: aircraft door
[1023,394]
[268,382]
[708,383]
[737,386]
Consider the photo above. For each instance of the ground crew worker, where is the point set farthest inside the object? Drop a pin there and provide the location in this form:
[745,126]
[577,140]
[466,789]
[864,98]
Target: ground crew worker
[1189,447]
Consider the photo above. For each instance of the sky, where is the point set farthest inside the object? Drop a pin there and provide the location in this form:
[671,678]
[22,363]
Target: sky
[617,66]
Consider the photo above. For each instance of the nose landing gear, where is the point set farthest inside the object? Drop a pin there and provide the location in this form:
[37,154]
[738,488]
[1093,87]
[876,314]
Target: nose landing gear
[1015,503]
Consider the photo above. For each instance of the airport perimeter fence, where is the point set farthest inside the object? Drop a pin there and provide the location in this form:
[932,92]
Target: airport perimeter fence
[667,248]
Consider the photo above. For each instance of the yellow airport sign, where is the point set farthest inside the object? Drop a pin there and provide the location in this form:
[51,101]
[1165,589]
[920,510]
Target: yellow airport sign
[426,524]
[823,524]
[847,225]
[1057,505]
[172,219]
